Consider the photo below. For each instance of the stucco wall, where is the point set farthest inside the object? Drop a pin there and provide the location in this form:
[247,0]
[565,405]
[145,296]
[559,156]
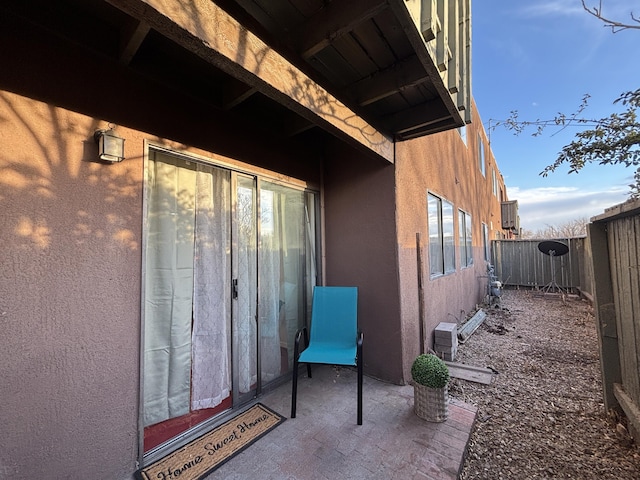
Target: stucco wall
[360,240]
[70,290]
[71,253]
[444,165]
[69,296]
[72,230]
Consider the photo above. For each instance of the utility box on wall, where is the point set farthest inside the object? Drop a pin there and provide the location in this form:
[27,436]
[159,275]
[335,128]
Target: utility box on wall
[509,214]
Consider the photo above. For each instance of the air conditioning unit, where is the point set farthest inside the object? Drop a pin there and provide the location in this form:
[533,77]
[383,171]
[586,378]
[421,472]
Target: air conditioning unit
[510,218]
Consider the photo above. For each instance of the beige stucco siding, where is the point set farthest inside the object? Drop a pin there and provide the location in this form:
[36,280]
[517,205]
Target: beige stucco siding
[359,208]
[444,165]
[70,289]
[69,294]
[72,228]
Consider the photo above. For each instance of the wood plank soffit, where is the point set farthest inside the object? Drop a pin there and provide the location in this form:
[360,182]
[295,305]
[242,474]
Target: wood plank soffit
[208,31]
[419,116]
[235,93]
[330,23]
[132,41]
[404,74]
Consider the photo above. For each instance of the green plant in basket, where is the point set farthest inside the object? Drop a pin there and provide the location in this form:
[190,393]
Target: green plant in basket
[430,371]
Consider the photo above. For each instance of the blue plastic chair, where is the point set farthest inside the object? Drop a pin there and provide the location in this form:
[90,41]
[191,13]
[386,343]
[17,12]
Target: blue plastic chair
[335,338]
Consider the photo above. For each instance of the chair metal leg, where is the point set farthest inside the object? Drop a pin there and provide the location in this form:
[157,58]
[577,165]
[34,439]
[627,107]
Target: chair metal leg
[360,368]
[294,387]
[306,343]
[294,377]
[294,374]
[359,393]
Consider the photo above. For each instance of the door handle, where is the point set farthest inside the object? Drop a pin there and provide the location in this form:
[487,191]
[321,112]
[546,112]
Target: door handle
[234,288]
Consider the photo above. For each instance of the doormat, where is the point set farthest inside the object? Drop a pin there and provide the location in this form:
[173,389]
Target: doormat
[203,455]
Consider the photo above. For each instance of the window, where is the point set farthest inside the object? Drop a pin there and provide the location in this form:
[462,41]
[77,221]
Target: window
[441,241]
[481,155]
[466,251]
[463,133]
[494,182]
[485,242]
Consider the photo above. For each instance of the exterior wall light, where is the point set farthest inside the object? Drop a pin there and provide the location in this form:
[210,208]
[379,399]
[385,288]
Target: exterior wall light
[110,147]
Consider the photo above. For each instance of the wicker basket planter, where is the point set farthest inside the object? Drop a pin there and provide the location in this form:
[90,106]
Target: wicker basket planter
[430,377]
[431,404]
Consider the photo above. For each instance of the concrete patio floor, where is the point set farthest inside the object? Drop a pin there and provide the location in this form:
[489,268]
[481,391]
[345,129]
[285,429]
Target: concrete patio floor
[324,442]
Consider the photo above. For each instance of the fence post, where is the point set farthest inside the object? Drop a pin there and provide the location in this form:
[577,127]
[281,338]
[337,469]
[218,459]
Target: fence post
[605,311]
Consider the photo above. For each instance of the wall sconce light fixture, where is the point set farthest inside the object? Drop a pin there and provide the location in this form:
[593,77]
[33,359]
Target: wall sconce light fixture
[110,147]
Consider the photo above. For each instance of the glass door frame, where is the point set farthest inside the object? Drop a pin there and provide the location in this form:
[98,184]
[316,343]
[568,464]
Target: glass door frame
[238,398]
[257,175]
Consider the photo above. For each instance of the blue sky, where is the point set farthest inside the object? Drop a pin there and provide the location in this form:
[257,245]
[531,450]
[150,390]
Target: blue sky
[540,58]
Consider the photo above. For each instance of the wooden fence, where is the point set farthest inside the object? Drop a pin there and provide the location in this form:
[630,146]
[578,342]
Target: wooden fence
[614,247]
[520,263]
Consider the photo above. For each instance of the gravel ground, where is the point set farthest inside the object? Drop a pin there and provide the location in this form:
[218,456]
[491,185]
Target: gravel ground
[542,416]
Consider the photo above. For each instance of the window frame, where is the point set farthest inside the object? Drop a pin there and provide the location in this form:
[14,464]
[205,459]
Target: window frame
[462,131]
[465,238]
[482,164]
[441,228]
[494,182]
[486,243]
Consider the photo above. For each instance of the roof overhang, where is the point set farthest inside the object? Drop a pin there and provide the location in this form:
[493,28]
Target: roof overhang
[368,72]
[402,65]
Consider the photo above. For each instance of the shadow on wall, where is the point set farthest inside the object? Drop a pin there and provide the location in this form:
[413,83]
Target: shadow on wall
[56,195]
[69,294]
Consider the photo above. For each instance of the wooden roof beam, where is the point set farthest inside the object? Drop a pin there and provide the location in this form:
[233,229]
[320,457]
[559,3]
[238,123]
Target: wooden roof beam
[294,124]
[239,53]
[404,74]
[235,93]
[430,129]
[422,115]
[132,41]
[330,23]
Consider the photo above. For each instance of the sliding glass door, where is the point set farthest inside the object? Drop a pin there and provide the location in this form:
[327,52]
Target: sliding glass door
[281,277]
[245,290]
[230,264]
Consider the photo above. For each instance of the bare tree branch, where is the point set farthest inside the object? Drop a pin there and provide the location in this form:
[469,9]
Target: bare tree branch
[611,140]
[569,229]
[614,25]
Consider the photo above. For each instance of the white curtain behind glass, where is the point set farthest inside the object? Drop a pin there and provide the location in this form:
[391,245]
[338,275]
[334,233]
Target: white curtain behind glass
[168,292]
[271,251]
[187,280]
[211,369]
[245,319]
[281,274]
[292,203]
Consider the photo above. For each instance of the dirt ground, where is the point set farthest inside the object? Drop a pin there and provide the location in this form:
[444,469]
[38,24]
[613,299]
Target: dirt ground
[542,416]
